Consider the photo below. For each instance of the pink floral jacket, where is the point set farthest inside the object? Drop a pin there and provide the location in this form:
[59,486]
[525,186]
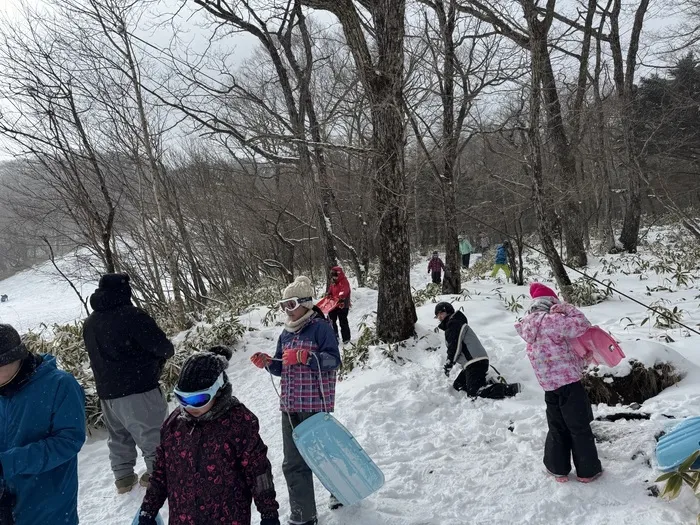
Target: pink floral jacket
[547,335]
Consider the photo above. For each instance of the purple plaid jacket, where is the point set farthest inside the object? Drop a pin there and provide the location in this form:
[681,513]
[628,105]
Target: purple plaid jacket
[301,384]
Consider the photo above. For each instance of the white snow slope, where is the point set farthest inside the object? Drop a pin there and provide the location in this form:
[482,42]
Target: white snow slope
[447,460]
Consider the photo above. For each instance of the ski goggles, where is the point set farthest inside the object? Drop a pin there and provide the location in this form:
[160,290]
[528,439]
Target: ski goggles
[200,398]
[293,303]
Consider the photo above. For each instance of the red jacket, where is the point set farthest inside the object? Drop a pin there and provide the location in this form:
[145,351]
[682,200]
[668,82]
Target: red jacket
[210,471]
[341,289]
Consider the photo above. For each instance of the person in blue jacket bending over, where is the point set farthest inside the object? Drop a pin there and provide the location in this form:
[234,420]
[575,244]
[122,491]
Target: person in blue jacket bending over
[42,410]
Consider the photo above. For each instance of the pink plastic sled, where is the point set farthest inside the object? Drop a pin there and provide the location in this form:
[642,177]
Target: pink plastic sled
[598,346]
[327,304]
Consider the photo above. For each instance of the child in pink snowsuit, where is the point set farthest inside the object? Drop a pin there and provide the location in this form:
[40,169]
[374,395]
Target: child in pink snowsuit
[547,329]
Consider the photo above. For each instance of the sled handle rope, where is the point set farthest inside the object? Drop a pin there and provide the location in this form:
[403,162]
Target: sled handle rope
[320,383]
[650,308]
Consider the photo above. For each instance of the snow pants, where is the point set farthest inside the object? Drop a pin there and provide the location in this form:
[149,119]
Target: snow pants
[465,260]
[472,380]
[569,417]
[133,421]
[504,267]
[300,479]
[437,277]
[340,314]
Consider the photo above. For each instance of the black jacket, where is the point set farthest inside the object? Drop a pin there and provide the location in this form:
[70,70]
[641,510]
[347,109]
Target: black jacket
[472,349]
[127,349]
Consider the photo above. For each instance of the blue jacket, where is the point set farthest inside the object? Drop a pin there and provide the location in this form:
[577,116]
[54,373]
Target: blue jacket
[43,429]
[501,255]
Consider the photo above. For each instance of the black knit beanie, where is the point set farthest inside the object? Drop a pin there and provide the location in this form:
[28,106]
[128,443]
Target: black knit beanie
[201,370]
[11,347]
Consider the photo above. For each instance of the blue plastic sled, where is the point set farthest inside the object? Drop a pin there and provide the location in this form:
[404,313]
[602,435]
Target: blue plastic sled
[337,459]
[159,520]
[675,447]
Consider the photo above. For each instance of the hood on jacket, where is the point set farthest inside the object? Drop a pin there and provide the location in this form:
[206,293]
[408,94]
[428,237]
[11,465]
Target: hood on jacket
[339,271]
[109,299]
[457,317]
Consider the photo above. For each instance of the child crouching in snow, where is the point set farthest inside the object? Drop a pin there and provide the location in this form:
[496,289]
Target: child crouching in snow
[547,328]
[211,463]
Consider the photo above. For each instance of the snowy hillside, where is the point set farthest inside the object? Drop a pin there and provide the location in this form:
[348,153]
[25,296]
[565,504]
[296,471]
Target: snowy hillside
[447,460]
[39,295]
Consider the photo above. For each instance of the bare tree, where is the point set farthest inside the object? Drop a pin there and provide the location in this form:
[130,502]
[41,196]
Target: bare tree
[382,77]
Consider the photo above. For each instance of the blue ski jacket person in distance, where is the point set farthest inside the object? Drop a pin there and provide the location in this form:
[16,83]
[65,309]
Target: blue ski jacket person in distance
[43,429]
[501,254]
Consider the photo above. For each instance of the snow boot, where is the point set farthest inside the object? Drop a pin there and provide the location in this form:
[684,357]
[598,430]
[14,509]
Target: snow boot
[126,483]
[333,503]
[559,478]
[145,480]
[310,522]
[588,480]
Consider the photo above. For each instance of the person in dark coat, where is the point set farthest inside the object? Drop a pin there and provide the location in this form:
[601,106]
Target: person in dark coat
[42,410]
[211,463]
[339,290]
[127,352]
[435,267]
[464,347]
[307,360]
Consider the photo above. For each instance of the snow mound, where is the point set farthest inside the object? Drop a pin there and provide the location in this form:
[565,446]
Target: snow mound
[649,353]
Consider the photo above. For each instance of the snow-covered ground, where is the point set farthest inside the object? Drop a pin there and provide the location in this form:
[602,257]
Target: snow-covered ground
[447,460]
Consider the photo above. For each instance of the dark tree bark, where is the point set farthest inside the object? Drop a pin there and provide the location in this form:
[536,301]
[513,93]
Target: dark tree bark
[544,225]
[382,79]
[624,85]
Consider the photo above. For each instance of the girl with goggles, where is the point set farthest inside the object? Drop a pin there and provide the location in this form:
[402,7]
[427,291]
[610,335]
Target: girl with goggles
[211,463]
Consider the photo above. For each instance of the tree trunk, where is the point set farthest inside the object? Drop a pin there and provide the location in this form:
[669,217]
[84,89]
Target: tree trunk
[535,166]
[383,80]
[396,313]
[452,282]
[633,217]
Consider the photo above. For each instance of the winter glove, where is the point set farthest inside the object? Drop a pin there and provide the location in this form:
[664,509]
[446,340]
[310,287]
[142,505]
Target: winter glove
[295,357]
[260,359]
[341,304]
[146,519]
[270,521]
[448,368]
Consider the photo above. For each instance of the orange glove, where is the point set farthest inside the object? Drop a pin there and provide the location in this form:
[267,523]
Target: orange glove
[260,359]
[295,357]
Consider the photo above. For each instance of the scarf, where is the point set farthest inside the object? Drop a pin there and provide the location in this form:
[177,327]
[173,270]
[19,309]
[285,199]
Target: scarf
[543,304]
[224,401]
[295,326]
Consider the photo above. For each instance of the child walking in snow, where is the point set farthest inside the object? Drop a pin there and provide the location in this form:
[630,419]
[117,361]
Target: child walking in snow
[501,262]
[547,328]
[339,289]
[306,349]
[211,463]
[435,267]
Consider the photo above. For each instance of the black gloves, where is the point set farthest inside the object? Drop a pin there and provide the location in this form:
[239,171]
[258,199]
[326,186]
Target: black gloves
[448,367]
[145,519]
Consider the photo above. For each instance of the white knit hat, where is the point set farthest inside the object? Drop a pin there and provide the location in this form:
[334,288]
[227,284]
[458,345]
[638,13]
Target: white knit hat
[301,287]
